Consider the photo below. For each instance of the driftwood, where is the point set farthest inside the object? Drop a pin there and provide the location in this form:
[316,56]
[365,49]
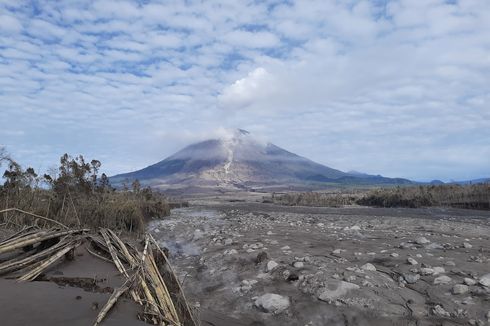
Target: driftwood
[160,294]
[111,302]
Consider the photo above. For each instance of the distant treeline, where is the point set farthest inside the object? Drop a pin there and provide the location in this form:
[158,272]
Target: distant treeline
[476,196]
[75,194]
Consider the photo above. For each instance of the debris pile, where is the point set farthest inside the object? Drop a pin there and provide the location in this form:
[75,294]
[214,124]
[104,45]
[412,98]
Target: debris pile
[149,278]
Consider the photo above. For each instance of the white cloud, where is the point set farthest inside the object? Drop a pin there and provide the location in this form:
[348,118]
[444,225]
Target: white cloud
[9,24]
[399,89]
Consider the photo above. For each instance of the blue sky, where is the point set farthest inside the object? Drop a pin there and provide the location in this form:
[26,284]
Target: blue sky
[400,88]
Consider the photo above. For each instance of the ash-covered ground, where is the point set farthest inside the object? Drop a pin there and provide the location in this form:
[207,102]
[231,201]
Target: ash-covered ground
[247,263]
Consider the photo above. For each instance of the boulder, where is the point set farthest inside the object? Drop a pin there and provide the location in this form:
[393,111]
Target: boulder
[272,303]
[335,289]
[443,279]
[460,289]
[368,267]
[421,241]
[271,265]
[485,280]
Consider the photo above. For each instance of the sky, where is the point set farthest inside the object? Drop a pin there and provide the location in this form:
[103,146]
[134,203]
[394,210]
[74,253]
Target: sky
[399,88]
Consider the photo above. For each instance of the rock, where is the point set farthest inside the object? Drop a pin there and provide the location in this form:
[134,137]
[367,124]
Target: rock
[285,248]
[485,280]
[336,289]
[412,261]
[443,279]
[468,301]
[450,263]
[440,311]
[434,245]
[355,228]
[460,289]
[438,270]
[405,245]
[231,252]
[271,265]
[488,316]
[411,278]
[228,242]
[426,271]
[368,267]
[421,241]
[368,284]
[198,234]
[394,255]
[469,281]
[467,245]
[336,251]
[298,264]
[257,245]
[272,303]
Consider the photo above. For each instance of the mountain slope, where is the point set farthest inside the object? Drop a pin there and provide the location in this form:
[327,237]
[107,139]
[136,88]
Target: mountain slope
[238,161]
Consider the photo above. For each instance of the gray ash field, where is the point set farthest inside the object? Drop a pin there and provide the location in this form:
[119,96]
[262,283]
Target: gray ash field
[247,263]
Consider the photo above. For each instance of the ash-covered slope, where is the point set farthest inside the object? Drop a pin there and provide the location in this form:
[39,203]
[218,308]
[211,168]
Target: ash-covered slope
[239,161]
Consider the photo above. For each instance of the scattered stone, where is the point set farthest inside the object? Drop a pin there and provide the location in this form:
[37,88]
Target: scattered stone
[469,281]
[257,245]
[271,265]
[467,245]
[411,278]
[336,289]
[198,234]
[228,242]
[460,289]
[368,284]
[440,311]
[421,241]
[285,248]
[298,264]
[272,303]
[368,267]
[439,270]
[231,252]
[394,255]
[468,301]
[450,263]
[485,280]
[355,228]
[443,279]
[433,246]
[336,251]
[412,261]
[426,271]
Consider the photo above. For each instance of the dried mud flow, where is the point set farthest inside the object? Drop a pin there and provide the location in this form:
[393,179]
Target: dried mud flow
[246,263]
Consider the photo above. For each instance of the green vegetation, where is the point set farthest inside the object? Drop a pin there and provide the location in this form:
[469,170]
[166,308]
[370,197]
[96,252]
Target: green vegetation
[475,196]
[75,194]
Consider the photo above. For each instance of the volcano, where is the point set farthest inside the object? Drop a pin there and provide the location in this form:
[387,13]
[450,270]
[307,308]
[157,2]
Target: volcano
[241,161]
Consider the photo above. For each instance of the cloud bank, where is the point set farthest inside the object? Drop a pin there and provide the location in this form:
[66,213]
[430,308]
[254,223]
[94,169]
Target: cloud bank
[399,88]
